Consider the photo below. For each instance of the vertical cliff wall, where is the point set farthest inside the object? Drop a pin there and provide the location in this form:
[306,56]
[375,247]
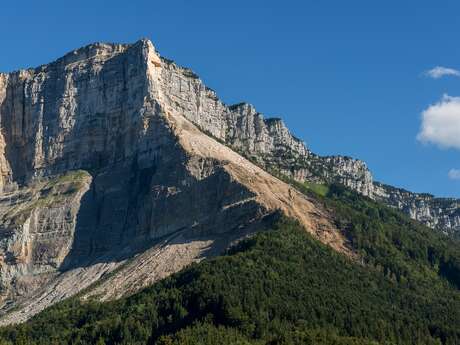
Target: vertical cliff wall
[104,160]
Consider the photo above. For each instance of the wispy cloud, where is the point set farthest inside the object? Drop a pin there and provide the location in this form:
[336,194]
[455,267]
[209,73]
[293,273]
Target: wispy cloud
[454,174]
[441,123]
[439,72]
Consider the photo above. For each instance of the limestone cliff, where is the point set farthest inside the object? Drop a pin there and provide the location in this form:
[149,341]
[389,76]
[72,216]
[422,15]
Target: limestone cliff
[105,168]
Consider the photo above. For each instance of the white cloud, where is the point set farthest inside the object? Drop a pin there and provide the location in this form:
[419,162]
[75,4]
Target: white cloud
[439,72]
[441,123]
[454,174]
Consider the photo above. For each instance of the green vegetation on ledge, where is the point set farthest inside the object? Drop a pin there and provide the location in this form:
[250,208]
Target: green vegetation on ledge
[47,193]
[318,188]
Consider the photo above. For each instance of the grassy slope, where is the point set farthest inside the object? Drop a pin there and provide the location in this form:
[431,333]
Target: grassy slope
[284,287]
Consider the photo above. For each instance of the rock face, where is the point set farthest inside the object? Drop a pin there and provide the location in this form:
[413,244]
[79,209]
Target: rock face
[438,213]
[118,167]
[106,168]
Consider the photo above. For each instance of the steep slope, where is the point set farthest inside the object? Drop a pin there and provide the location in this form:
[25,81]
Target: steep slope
[157,193]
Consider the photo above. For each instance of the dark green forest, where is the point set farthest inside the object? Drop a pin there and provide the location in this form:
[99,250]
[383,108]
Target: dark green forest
[282,286]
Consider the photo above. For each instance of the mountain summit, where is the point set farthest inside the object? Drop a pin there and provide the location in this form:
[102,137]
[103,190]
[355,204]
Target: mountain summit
[119,168]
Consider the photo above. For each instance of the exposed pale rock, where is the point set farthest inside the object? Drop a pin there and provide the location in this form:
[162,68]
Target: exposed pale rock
[36,232]
[439,213]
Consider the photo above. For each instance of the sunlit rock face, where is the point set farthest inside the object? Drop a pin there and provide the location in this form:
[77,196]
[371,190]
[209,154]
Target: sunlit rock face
[438,213]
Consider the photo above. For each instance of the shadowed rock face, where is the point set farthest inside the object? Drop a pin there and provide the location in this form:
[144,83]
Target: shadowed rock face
[102,160]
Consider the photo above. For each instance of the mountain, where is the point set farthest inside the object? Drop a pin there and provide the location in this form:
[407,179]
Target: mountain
[119,168]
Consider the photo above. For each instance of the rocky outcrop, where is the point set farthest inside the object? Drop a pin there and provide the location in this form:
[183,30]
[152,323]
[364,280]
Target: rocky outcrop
[438,213]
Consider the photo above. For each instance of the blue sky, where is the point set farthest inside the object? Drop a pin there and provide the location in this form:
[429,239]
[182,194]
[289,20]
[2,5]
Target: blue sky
[348,77]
